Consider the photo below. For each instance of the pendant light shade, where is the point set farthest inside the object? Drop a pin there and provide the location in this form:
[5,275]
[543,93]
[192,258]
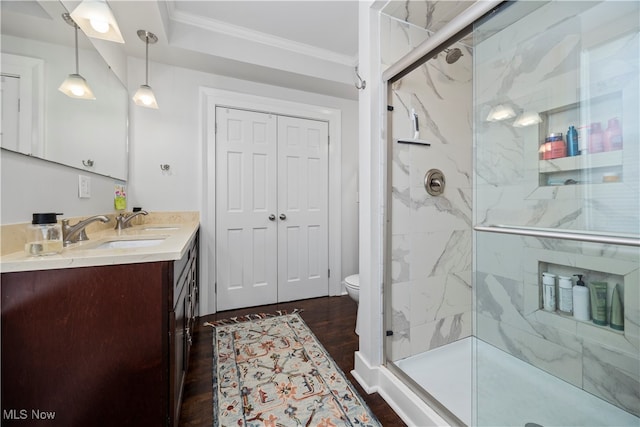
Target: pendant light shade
[75,86]
[144,97]
[97,21]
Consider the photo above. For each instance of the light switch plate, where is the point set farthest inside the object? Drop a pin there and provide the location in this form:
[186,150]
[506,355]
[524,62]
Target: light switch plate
[84,187]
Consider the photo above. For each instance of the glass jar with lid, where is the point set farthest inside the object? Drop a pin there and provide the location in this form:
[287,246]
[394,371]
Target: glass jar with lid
[44,235]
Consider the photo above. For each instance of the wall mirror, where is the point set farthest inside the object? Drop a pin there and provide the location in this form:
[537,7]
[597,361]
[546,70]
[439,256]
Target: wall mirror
[38,53]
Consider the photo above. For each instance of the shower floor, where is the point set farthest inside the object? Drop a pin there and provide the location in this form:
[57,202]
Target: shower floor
[511,392]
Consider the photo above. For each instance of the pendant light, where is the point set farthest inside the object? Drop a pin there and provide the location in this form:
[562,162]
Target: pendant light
[97,21]
[75,86]
[144,97]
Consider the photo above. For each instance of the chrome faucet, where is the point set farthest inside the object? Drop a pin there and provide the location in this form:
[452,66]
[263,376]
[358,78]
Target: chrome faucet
[124,221]
[76,233]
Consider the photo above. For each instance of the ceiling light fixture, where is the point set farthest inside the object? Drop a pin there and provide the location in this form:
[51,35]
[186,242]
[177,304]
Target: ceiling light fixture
[75,86]
[144,97]
[97,21]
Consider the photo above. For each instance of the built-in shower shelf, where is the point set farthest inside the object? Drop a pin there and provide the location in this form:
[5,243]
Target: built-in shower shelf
[582,162]
[597,168]
[587,168]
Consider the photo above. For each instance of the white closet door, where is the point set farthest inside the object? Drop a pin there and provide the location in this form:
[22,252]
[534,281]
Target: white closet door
[246,257]
[303,187]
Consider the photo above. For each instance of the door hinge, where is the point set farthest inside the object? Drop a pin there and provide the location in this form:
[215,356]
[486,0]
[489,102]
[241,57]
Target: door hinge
[329,272]
[389,107]
[215,128]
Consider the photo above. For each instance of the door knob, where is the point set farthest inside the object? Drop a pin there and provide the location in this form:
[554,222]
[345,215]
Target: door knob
[272,217]
[283,216]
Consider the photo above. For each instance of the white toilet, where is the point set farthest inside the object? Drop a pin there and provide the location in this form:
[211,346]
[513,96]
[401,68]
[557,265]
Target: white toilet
[352,285]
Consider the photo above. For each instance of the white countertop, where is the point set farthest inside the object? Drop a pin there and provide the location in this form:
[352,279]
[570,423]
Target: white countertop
[174,244]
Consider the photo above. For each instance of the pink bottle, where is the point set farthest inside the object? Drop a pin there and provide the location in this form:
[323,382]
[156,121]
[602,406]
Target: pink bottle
[613,136]
[596,138]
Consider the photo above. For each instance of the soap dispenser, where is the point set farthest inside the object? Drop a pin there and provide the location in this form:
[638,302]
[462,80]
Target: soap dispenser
[581,300]
[44,235]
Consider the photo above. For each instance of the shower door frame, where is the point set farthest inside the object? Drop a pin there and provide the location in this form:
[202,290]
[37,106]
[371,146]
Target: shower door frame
[456,29]
[434,403]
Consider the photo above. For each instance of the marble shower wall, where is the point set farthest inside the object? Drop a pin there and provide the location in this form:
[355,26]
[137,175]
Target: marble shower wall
[431,295]
[560,57]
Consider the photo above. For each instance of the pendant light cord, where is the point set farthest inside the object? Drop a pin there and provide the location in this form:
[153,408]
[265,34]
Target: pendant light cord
[146,75]
[77,61]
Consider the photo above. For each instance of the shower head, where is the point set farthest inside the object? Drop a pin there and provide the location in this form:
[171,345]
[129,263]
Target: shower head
[453,55]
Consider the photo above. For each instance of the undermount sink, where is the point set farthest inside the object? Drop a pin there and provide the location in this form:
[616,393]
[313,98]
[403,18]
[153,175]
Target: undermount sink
[160,227]
[131,243]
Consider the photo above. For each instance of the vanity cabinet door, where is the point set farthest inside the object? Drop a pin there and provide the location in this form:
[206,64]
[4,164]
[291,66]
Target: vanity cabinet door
[177,351]
[88,344]
[181,327]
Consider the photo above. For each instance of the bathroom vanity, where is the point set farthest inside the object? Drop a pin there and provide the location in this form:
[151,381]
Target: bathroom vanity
[103,344]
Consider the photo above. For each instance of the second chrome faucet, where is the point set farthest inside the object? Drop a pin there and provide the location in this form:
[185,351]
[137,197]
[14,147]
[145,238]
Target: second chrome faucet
[124,220]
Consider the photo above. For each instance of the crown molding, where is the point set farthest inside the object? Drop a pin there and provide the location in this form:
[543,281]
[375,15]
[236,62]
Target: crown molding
[244,33]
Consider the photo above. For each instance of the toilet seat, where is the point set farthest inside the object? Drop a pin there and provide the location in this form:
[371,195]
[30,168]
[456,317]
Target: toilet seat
[352,281]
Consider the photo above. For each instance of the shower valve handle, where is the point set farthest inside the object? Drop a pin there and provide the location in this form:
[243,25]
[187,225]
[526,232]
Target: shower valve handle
[434,182]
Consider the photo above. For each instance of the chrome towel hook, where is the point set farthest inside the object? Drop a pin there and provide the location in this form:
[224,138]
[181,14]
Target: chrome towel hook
[361,83]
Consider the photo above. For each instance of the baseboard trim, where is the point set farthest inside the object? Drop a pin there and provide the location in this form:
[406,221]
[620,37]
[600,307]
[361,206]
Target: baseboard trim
[378,379]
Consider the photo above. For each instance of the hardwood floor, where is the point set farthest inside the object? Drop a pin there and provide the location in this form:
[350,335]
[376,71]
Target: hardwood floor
[332,320]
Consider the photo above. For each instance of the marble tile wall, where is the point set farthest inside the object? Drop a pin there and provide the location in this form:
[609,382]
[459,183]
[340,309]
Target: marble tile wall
[532,65]
[557,68]
[431,243]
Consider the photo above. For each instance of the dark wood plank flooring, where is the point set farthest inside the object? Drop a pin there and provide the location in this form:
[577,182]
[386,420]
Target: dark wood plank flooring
[332,320]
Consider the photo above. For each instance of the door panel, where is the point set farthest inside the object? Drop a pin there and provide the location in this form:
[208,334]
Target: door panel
[270,166]
[246,187]
[303,199]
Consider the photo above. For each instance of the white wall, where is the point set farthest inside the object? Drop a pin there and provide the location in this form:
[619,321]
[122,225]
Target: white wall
[31,185]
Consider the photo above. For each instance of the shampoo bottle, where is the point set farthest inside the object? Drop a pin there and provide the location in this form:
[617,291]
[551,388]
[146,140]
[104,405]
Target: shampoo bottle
[613,136]
[580,300]
[565,294]
[572,142]
[598,292]
[617,310]
[549,291]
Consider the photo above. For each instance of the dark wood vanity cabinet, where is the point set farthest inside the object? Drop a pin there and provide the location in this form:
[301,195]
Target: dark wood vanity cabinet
[182,319]
[97,346]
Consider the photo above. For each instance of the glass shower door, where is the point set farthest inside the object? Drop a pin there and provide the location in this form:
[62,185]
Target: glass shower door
[556,191]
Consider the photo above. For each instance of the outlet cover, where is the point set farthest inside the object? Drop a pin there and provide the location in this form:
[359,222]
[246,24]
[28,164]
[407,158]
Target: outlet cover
[84,187]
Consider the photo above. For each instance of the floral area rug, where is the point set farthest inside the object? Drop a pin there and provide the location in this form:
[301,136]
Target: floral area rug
[272,371]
